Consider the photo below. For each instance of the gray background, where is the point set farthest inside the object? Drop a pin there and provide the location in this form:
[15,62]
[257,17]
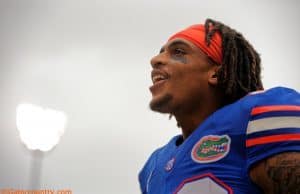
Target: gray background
[91,59]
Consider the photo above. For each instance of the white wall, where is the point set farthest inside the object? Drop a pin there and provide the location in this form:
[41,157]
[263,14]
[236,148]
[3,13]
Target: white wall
[91,59]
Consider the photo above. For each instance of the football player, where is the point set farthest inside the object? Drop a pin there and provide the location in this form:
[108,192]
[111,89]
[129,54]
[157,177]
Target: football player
[237,138]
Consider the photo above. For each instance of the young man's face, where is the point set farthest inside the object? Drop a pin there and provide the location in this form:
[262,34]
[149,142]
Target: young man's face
[181,77]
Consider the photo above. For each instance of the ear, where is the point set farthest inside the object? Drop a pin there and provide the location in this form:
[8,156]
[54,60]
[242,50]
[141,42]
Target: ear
[212,75]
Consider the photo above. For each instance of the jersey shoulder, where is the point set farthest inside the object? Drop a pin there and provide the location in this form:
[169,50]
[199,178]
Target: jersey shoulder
[276,108]
[273,102]
[153,161]
[273,123]
[273,96]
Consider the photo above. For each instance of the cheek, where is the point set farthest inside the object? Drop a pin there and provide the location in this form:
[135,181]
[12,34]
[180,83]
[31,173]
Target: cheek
[191,77]
[191,85]
[179,59]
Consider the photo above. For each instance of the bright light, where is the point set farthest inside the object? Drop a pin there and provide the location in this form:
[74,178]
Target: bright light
[40,128]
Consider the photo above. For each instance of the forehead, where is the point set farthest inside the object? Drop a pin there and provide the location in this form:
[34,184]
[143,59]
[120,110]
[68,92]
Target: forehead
[182,42]
[177,41]
[188,45]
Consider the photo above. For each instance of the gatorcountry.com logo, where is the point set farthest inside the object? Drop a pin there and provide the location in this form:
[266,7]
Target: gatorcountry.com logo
[211,148]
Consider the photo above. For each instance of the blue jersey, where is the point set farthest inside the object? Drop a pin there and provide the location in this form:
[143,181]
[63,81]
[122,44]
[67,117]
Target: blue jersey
[217,156]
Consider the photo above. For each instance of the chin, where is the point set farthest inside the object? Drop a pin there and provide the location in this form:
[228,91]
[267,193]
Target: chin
[161,104]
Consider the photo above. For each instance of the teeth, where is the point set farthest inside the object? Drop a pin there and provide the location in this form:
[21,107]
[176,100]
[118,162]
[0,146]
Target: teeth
[157,78]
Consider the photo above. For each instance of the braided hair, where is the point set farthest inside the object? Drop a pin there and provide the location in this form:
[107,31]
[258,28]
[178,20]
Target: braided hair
[240,70]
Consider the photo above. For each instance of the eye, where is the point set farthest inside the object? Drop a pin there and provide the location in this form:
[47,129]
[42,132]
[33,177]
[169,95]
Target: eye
[179,52]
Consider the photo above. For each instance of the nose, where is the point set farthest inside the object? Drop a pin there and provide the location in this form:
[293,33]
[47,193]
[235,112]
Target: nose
[158,60]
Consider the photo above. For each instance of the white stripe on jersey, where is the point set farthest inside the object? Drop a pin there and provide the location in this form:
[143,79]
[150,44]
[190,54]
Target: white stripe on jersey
[202,186]
[266,124]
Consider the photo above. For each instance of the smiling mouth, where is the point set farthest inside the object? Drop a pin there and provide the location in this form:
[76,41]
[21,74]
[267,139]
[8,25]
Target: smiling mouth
[158,76]
[158,79]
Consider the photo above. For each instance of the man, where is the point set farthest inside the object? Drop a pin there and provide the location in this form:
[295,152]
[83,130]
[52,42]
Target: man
[236,138]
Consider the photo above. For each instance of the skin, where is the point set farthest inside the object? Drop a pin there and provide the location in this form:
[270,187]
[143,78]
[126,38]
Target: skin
[190,93]
[279,174]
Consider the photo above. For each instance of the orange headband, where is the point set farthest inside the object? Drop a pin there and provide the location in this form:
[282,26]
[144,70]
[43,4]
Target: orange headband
[196,35]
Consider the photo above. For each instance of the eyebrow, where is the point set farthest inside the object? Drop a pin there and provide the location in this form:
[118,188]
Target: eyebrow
[174,43]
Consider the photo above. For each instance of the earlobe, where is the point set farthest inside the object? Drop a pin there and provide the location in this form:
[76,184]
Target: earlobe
[213,78]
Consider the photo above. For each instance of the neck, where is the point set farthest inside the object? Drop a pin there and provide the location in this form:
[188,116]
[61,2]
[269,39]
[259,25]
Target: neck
[189,121]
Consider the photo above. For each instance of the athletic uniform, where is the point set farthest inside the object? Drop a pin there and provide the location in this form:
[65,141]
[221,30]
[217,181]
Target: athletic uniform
[217,156]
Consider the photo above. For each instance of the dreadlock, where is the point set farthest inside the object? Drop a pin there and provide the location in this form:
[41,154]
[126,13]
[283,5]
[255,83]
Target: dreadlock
[240,70]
